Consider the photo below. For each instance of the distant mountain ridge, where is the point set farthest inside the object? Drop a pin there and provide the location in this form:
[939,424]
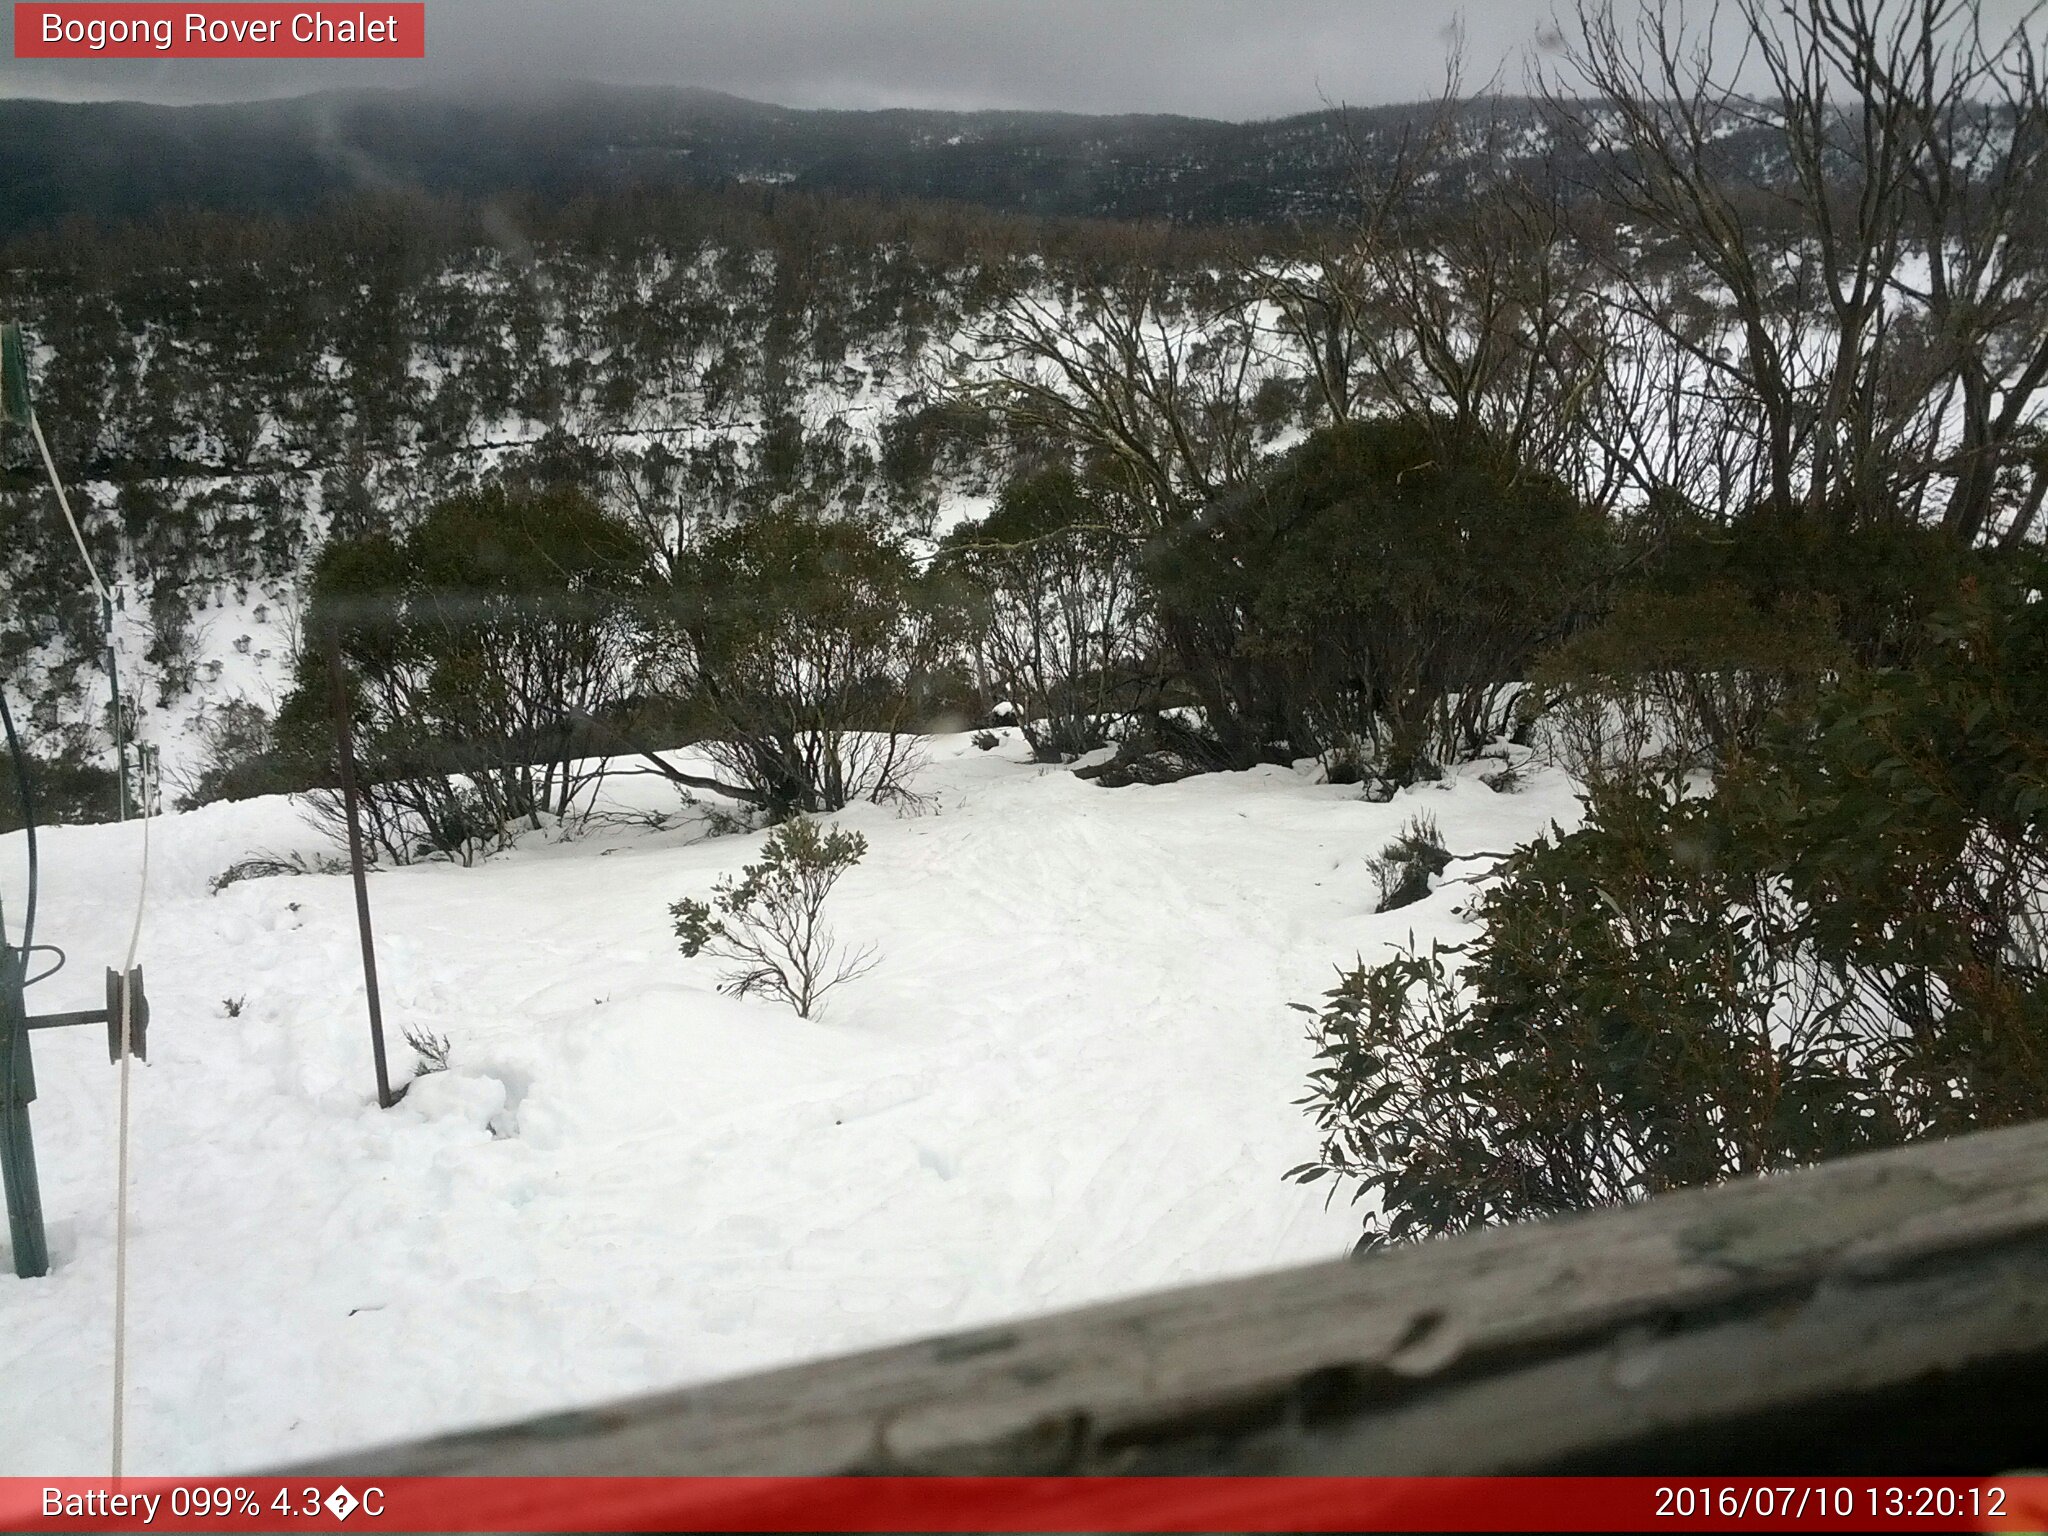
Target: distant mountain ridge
[126,160]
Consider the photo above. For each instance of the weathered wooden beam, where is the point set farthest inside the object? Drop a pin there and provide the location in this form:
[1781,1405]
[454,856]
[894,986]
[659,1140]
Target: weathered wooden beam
[1886,1313]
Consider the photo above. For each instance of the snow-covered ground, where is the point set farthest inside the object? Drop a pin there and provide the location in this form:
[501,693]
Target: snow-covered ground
[1071,1077]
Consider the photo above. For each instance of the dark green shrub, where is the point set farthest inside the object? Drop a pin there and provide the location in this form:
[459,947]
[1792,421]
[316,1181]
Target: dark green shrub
[1879,584]
[1404,868]
[476,647]
[1846,945]
[1910,823]
[1684,680]
[768,922]
[66,787]
[1618,1029]
[808,647]
[1375,600]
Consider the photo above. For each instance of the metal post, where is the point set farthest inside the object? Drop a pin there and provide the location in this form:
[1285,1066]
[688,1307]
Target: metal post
[17,1149]
[114,691]
[345,751]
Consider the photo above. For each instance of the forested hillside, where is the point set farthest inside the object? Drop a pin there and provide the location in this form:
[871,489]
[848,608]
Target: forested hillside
[232,388]
[228,391]
[117,161]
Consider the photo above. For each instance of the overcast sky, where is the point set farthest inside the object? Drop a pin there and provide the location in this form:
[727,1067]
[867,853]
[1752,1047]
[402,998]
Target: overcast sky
[1207,58]
[1210,58]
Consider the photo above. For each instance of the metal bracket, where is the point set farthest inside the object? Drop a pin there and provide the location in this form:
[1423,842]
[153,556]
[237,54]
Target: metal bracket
[18,1091]
[109,1016]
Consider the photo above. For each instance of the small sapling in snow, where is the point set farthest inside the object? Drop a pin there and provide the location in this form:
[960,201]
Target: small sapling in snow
[1407,865]
[432,1048]
[767,922]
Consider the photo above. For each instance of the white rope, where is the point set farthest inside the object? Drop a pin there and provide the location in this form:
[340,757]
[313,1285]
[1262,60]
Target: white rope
[64,501]
[127,966]
[106,598]
[121,1193]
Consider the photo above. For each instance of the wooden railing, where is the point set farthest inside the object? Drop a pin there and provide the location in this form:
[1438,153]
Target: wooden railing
[1883,1314]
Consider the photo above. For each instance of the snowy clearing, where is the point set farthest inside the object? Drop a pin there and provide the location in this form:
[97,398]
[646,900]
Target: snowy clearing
[1071,1077]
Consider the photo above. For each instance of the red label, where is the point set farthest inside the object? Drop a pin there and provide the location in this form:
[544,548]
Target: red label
[1022,1504]
[262,31]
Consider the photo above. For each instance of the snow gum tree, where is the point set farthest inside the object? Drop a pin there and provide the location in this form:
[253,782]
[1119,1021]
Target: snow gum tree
[1064,633]
[474,646]
[806,649]
[1381,591]
[1859,188]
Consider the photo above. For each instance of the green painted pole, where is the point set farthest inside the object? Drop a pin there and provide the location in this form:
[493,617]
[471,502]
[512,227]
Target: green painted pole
[17,1150]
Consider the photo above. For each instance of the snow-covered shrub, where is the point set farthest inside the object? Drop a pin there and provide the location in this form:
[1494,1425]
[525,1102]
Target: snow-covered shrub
[768,922]
[1404,868]
[1063,633]
[432,1050]
[265,866]
[1504,780]
[476,648]
[807,646]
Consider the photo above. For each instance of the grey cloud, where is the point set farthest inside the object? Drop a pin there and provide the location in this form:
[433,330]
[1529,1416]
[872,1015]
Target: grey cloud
[1210,58]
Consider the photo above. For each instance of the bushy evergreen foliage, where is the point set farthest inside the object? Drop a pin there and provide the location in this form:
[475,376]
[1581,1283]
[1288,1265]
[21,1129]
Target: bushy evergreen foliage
[1376,600]
[806,647]
[1909,827]
[1683,680]
[1879,585]
[1845,945]
[768,922]
[1406,866]
[475,646]
[1710,632]
[65,787]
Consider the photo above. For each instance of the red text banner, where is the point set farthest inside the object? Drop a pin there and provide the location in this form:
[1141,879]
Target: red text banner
[1007,1504]
[111,30]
